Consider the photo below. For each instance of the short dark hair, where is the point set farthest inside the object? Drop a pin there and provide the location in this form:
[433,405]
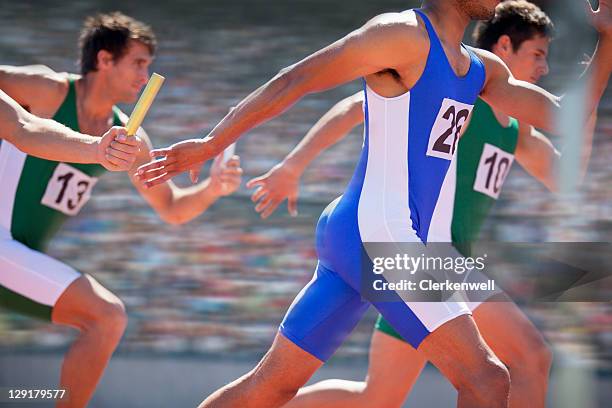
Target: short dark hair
[111,32]
[518,19]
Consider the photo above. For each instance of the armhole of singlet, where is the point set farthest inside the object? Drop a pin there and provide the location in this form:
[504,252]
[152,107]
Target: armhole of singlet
[431,31]
[71,88]
[477,61]
[432,37]
[515,129]
[69,101]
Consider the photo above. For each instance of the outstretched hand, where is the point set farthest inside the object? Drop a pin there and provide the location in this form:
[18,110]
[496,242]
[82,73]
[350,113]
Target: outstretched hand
[273,188]
[188,155]
[225,178]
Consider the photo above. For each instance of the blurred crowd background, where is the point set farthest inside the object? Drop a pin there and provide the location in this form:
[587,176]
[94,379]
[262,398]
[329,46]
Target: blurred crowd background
[221,284]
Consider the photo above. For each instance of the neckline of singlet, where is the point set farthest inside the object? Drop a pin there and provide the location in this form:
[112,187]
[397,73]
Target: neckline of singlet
[72,95]
[434,37]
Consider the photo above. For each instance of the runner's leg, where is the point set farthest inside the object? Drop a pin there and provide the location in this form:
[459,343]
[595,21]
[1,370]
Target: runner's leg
[317,322]
[101,319]
[40,286]
[519,344]
[394,366]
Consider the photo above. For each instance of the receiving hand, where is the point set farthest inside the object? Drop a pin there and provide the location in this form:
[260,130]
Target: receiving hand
[280,183]
[225,178]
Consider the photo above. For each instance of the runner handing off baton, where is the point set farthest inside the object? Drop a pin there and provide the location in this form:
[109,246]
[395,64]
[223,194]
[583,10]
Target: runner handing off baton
[33,283]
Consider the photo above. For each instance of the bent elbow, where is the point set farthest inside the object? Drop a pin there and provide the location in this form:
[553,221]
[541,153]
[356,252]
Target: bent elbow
[286,75]
[292,79]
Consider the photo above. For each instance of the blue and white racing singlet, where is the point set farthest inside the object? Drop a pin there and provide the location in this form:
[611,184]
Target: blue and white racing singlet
[406,179]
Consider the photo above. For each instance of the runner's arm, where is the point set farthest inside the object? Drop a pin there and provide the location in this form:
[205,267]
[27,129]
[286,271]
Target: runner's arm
[384,42]
[50,140]
[532,104]
[176,205]
[522,100]
[365,51]
[37,88]
[332,127]
[537,155]
[282,181]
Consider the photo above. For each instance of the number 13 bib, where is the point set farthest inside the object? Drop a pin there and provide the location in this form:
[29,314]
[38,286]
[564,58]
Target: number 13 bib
[68,190]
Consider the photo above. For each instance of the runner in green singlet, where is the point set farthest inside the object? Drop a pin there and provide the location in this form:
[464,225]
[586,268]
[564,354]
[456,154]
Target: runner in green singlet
[520,35]
[39,195]
[45,193]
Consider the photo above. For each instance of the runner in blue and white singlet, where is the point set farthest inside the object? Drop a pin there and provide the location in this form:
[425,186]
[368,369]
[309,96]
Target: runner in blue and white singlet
[402,191]
[394,52]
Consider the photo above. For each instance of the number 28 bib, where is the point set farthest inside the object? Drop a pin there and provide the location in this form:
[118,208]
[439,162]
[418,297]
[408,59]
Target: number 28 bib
[447,128]
[68,190]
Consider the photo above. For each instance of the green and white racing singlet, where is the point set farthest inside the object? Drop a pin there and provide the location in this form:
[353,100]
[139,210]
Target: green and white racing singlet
[38,195]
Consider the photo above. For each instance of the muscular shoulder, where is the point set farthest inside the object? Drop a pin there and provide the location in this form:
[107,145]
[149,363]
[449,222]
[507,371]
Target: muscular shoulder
[56,83]
[401,28]
[494,66]
[393,40]
[37,87]
[35,72]
[404,19]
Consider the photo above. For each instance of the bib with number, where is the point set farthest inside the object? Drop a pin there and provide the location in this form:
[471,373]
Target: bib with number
[68,189]
[45,193]
[492,170]
[485,155]
[447,128]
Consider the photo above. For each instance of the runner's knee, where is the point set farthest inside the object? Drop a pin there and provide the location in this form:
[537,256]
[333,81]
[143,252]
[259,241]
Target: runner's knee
[111,316]
[266,382]
[104,314]
[489,382]
[87,305]
[533,355]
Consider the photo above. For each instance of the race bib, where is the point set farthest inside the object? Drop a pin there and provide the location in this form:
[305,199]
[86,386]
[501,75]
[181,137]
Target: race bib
[68,189]
[493,168]
[447,128]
